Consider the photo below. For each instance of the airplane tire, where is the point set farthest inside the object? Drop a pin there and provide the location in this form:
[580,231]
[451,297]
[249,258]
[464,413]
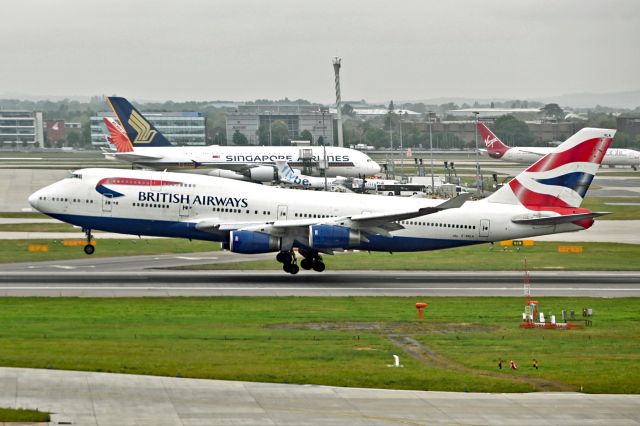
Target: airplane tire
[287,267]
[306,264]
[294,269]
[318,266]
[89,249]
[283,257]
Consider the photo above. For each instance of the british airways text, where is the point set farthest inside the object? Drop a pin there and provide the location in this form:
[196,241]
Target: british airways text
[205,200]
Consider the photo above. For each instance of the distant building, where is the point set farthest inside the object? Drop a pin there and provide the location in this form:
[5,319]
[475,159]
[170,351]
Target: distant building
[54,130]
[21,129]
[247,119]
[629,124]
[181,128]
[379,112]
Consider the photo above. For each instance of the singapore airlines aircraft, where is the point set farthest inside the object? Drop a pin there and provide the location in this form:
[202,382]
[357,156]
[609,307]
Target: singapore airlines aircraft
[254,163]
[527,155]
[247,218]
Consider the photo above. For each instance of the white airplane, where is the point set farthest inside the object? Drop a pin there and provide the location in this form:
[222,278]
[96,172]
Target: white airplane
[293,177]
[254,163]
[247,218]
[496,149]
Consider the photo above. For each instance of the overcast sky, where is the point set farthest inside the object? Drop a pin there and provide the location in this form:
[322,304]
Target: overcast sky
[249,49]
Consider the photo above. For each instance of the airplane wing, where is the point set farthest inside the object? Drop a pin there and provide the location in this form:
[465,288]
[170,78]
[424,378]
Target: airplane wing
[375,223]
[556,220]
[539,154]
[134,156]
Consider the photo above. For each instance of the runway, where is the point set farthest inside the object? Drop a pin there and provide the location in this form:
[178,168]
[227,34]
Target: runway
[353,283]
[86,398]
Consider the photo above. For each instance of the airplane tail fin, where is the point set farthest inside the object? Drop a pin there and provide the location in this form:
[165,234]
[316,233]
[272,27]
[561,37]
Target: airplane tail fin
[117,136]
[495,147]
[559,181]
[288,175]
[140,131]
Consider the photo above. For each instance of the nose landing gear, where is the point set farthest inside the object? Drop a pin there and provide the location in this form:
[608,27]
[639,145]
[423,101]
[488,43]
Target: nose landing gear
[89,248]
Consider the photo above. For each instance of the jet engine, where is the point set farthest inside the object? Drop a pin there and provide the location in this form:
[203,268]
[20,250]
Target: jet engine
[332,236]
[250,242]
[262,173]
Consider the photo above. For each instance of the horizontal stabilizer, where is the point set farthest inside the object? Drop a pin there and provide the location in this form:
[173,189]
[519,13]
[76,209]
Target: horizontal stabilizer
[556,220]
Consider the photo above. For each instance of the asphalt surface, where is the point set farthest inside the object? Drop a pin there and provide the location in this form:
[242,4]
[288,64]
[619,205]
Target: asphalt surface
[353,283]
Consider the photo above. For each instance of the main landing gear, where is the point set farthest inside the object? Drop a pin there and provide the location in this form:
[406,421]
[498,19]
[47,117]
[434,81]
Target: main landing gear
[288,260]
[311,260]
[89,248]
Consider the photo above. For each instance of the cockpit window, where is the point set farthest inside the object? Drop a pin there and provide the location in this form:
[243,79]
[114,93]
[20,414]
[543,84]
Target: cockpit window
[76,176]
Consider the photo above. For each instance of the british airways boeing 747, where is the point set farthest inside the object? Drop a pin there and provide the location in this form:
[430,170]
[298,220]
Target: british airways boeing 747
[247,218]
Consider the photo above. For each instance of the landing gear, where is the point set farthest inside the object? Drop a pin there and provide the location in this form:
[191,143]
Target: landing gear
[312,260]
[89,248]
[288,260]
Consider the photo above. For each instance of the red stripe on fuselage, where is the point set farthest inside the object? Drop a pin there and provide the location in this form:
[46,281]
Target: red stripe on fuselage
[135,181]
[589,151]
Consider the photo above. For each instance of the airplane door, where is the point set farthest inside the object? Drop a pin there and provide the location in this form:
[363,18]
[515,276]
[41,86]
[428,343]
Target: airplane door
[107,204]
[282,212]
[185,210]
[484,227]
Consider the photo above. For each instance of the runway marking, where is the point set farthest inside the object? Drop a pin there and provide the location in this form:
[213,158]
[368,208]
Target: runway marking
[63,267]
[196,258]
[98,287]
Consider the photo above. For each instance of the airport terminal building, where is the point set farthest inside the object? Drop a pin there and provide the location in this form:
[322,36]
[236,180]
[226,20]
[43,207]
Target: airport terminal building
[21,129]
[181,128]
[247,120]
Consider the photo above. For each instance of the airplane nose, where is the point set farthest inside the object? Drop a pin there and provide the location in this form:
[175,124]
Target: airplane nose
[33,199]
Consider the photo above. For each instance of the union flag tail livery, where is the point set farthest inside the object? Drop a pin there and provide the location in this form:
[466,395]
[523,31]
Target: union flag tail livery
[495,147]
[117,136]
[559,181]
[140,131]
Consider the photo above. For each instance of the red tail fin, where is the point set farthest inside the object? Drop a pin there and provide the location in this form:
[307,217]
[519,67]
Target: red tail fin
[117,135]
[495,147]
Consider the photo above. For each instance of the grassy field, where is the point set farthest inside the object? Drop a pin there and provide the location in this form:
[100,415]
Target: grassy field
[38,227]
[20,415]
[542,256]
[17,250]
[600,204]
[333,341]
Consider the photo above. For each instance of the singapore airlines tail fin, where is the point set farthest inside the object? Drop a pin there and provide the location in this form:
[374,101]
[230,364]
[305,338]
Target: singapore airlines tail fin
[559,180]
[117,136]
[140,131]
[495,147]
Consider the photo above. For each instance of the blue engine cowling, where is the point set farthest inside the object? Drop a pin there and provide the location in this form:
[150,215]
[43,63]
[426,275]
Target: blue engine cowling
[249,242]
[332,237]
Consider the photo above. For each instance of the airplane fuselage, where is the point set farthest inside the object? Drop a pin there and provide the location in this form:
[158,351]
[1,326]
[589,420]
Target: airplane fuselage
[169,204]
[529,155]
[340,161]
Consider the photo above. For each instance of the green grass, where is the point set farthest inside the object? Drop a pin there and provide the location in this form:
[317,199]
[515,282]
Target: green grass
[17,250]
[332,341]
[20,415]
[542,256]
[599,204]
[24,215]
[38,227]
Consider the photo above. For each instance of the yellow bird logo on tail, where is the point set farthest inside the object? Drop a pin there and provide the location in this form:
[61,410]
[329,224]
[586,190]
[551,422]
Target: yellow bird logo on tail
[142,127]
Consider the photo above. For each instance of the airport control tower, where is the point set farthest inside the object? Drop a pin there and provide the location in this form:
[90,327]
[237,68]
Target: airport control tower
[336,70]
